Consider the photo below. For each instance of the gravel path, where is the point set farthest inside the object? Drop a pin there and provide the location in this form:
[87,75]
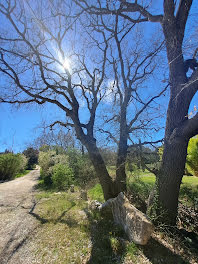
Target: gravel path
[16,224]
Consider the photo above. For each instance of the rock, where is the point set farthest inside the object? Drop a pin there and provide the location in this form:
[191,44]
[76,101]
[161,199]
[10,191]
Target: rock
[83,195]
[136,225]
[82,214]
[94,205]
[72,188]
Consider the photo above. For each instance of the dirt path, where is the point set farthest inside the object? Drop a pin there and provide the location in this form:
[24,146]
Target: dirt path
[16,224]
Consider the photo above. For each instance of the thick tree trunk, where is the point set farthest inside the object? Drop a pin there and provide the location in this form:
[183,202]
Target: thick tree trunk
[108,185]
[171,172]
[169,180]
[120,167]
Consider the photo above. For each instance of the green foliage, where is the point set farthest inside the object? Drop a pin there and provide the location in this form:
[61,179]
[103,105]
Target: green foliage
[109,156]
[47,160]
[32,156]
[160,152]
[141,186]
[10,165]
[62,177]
[131,249]
[44,148]
[138,157]
[21,174]
[82,167]
[192,157]
[23,161]
[96,193]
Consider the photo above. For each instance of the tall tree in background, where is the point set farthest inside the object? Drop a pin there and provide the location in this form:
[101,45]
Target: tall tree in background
[32,156]
[179,128]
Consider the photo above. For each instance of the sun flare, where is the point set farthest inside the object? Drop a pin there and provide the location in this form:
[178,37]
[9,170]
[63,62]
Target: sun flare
[66,64]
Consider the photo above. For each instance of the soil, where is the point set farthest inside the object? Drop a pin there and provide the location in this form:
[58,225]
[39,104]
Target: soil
[16,222]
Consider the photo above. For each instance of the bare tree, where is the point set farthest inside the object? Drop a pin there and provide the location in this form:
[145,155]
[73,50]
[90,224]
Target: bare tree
[37,60]
[131,69]
[179,128]
[43,64]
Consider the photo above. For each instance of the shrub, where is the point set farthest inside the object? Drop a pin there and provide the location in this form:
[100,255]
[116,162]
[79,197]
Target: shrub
[10,165]
[46,161]
[62,176]
[192,157]
[81,166]
[23,163]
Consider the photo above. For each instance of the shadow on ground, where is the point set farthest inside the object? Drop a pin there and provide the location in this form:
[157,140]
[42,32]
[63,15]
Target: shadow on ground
[158,253]
[109,246]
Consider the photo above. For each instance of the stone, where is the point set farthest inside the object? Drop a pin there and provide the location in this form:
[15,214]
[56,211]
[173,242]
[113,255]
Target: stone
[94,205]
[72,188]
[83,195]
[135,223]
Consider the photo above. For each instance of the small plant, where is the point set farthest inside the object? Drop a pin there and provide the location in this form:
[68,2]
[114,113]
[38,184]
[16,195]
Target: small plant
[62,177]
[115,244]
[131,249]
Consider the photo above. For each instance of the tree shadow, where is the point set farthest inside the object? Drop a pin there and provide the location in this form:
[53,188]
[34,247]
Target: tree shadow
[107,240]
[70,222]
[102,232]
[13,244]
[157,253]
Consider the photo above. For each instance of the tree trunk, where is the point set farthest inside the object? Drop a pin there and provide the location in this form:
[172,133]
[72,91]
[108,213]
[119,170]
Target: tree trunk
[169,180]
[108,185]
[122,153]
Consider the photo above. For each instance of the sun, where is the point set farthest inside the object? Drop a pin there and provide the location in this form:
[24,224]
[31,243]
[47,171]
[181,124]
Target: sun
[66,64]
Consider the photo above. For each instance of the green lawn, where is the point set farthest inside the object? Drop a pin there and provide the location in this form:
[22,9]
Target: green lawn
[143,184]
[71,233]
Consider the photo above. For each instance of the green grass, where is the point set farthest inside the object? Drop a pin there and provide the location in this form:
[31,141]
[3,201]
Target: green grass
[70,233]
[142,184]
[189,190]
[96,193]
[18,175]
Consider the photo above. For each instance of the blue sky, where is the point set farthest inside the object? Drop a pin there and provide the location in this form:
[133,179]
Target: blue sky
[19,127]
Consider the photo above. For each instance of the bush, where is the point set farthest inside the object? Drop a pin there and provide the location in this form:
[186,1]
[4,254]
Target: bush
[47,160]
[81,166]
[62,177]
[23,163]
[192,157]
[10,165]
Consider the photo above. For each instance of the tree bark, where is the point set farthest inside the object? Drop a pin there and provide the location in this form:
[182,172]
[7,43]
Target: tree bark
[107,183]
[170,178]
[175,145]
[122,153]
